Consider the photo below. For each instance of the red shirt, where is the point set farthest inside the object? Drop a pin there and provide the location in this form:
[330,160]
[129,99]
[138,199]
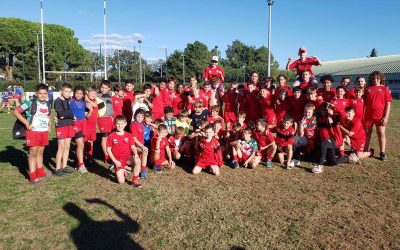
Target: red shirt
[117,103]
[317,102]
[137,131]
[285,87]
[327,95]
[92,120]
[341,104]
[210,73]
[281,107]
[211,119]
[310,128]
[355,126]
[163,145]
[267,105]
[129,97]
[358,105]
[376,98]
[325,130]
[306,65]
[230,101]
[242,100]
[263,139]
[284,137]
[296,107]
[166,96]
[206,97]
[207,150]
[178,102]
[190,106]
[120,145]
[158,105]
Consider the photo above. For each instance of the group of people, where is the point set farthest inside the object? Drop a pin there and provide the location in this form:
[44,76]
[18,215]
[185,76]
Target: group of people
[209,125]
[12,96]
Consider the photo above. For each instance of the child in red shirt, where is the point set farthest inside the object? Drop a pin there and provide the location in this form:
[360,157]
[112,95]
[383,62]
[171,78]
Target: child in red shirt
[177,143]
[138,133]
[129,97]
[209,153]
[215,116]
[313,98]
[245,152]
[340,102]
[230,102]
[303,63]
[193,99]
[242,100]
[160,148]
[296,104]
[284,141]
[267,106]
[377,109]
[206,93]
[306,140]
[158,104]
[214,71]
[120,145]
[118,100]
[354,134]
[357,102]
[179,99]
[327,92]
[91,123]
[266,142]
[242,119]
[282,85]
[281,105]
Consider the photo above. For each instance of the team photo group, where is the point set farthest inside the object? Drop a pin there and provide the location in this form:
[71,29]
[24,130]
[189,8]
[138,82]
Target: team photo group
[208,124]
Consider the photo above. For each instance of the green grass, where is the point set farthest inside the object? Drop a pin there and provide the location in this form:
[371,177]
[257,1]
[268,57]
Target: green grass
[347,206]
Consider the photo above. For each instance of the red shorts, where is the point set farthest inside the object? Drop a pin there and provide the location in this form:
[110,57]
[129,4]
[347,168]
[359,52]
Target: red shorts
[371,122]
[90,135]
[244,158]
[18,97]
[264,154]
[229,117]
[271,119]
[160,161]
[123,164]
[37,138]
[4,103]
[106,124]
[65,132]
[205,164]
[80,128]
[357,145]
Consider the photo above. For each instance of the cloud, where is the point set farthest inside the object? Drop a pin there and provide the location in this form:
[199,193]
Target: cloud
[114,42]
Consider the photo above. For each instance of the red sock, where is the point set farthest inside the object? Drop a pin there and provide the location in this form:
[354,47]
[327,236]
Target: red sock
[143,168]
[135,178]
[40,172]
[32,176]
[106,158]
[341,152]
[80,164]
[90,149]
[235,158]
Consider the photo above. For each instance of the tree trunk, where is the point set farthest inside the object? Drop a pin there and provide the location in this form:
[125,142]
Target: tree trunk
[9,70]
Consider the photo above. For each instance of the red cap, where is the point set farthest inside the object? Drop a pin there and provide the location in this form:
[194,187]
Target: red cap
[303,49]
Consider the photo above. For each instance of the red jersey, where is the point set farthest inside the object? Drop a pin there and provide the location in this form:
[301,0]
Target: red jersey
[358,105]
[212,119]
[324,128]
[178,102]
[120,145]
[129,97]
[137,131]
[166,96]
[284,137]
[92,120]
[327,95]
[376,98]
[206,97]
[300,66]
[267,105]
[355,126]
[242,100]
[163,145]
[158,105]
[281,107]
[263,139]
[289,91]
[230,101]
[190,106]
[296,107]
[209,151]
[211,73]
[341,104]
[317,102]
[310,128]
[117,103]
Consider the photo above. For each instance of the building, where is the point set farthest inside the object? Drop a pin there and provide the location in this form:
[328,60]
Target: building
[389,65]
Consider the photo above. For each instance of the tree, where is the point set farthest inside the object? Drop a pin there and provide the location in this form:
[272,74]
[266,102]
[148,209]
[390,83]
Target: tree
[374,53]
[197,57]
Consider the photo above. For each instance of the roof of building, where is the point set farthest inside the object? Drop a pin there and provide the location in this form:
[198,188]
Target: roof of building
[360,66]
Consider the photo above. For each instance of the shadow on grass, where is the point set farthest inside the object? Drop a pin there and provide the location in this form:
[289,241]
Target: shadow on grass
[17,158]
[110,234]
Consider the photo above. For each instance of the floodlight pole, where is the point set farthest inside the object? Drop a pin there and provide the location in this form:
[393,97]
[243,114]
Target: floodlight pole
[166,58]
[216,50]
[270,3]
[183,68]
[41,25]
[140,61]
[38,55]
[105,41]
[119,68]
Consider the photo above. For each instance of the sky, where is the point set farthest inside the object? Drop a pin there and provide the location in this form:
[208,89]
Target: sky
[329,29]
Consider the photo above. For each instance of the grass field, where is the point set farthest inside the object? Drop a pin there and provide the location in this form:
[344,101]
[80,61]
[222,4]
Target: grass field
[346,207]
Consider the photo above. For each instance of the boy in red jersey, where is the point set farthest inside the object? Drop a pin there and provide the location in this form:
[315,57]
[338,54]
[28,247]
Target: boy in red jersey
[306,82]
[179,99]
[282,85]
[266,142]
[230,102]
[193,99]
[242,100]
[160,148]
[138,134]
[303,63]
[245,152]
[215,116]
[214,71]
[209,153]
[177,144]
[313,98]
[158,104]
[118,100]
[377,109]
[360,83]
[267,106]
[242,120]
[91,122]
[284,141]
[281,105]
[37,131]
[340,102]
[357,102]
[296,104]
[129,97]
[354,134]
[206,93]
[327,92]
[120,145]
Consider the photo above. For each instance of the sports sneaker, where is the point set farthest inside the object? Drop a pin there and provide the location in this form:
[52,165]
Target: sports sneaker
[296,162]
[353,158]
[82,169]
[136,184]
[112,168]
[143,174]
[59,173]
[235,165]
[158,169]
[290,165]
[382,156]
[267,164]
[36,181]
[67,170]
[317,169]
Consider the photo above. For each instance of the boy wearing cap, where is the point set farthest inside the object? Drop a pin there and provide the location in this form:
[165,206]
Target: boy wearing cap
[214,70]
[303,63]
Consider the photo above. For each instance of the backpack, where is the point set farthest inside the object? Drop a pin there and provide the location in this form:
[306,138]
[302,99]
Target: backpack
[19,129]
